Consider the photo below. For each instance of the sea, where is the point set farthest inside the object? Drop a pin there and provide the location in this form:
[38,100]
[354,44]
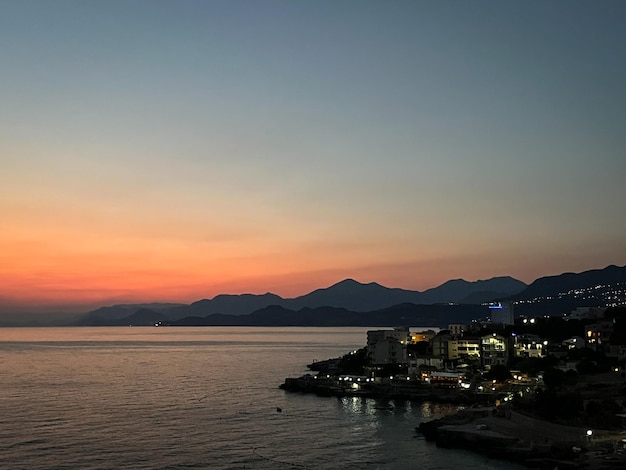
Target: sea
[198,398]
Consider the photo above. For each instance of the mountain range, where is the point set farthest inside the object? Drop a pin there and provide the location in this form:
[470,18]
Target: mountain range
[565,283]
[563,293]
[348,294]
[351,303]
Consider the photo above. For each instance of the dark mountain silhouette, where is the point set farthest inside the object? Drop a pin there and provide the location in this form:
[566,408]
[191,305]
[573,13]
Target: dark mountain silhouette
[359,297]
[552,286]
[440,315]
[226,303]
[141,317]
[351,303]
[353,295]
[555,295]
[348,294]
[145,317]
[482,297]
[110,315]
[459,290]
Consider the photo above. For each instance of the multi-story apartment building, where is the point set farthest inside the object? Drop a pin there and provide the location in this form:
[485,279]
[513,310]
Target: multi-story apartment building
[388,346]
[439,345]
[464,348]
[528,346]
[494,350]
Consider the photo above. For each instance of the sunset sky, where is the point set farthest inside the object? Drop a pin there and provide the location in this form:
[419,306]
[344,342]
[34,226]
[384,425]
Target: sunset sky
[175,150]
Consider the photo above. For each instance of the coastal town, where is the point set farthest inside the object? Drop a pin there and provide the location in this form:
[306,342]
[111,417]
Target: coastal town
[549,392]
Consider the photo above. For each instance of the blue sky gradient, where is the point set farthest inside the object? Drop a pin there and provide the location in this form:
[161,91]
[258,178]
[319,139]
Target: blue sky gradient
[173,150]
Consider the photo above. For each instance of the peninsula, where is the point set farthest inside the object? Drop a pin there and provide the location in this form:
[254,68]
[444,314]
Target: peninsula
[548,392]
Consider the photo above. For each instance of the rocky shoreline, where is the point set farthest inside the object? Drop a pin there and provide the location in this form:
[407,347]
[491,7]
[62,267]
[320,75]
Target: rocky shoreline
[506,434]
[472,429]
[496,431]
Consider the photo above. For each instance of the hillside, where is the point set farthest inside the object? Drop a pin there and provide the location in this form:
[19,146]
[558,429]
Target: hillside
[352,303]
[347,294]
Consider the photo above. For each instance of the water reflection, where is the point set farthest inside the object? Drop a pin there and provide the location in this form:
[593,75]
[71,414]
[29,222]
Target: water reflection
[138,403]
[429,410]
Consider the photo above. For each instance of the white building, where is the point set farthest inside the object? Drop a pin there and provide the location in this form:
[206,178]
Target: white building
[494,350]
[464,348]
[388,346]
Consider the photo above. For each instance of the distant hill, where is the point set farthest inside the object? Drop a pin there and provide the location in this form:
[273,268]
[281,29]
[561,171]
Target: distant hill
[351,303]
[241,304]
[360,297]
[462,291]
[145,317]
[347,294]
[554,295]
[551,286]
[353,295]
[141,317]
[440,315]
[110,315]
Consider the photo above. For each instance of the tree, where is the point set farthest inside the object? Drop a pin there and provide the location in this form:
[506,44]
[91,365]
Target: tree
[553,378]
[354,363]
[550,404]
[603,413]
[571,378]
[498,372]
[587,366]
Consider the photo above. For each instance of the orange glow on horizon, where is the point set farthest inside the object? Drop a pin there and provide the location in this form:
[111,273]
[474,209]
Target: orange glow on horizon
[79,267]
[51,264]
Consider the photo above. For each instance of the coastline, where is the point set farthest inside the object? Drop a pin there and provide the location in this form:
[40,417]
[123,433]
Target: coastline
[483,425]
[507,434]
[348,386]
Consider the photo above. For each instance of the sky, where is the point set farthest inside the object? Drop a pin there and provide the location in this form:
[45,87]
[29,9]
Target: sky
[175,150]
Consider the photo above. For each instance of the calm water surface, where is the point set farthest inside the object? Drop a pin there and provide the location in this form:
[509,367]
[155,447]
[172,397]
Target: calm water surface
[207,398]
